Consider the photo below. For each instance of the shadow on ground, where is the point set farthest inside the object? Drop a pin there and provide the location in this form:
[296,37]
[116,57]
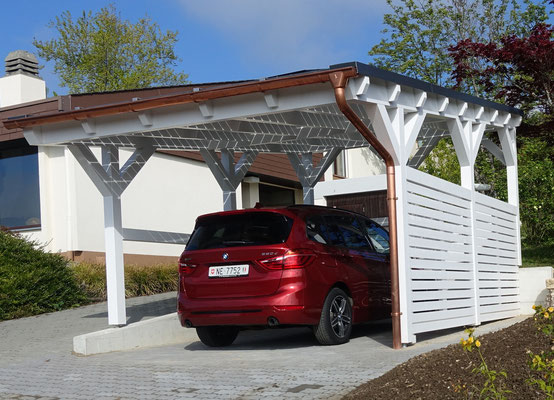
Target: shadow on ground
[292,338]
[139,312]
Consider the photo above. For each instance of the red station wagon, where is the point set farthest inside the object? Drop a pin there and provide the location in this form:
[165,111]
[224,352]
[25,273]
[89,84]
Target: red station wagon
[300,265]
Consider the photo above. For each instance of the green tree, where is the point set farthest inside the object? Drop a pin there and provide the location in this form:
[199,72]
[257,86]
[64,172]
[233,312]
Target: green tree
[101,52]
[418,33]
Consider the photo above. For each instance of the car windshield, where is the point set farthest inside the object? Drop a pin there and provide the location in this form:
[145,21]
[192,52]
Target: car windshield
[251,229]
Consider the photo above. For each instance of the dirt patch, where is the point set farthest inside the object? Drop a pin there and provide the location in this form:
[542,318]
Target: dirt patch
[446,373]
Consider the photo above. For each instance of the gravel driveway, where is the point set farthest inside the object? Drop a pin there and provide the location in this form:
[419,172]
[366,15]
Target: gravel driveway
[36,360]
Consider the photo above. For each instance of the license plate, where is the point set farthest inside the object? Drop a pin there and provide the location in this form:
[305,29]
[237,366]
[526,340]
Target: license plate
[226,271]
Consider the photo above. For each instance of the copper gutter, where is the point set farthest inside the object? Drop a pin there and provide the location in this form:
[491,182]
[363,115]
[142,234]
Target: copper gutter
[339,80]
[183,98]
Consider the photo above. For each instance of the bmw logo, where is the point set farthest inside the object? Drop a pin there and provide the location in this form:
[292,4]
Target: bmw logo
[225,256]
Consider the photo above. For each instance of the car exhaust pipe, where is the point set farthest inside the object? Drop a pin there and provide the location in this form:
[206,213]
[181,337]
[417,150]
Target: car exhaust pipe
[272,321]
[188,324]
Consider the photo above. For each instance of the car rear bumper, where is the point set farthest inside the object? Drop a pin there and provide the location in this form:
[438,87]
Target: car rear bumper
[286,305]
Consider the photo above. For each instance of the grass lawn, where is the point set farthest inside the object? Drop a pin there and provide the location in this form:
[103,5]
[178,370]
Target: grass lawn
[538,256]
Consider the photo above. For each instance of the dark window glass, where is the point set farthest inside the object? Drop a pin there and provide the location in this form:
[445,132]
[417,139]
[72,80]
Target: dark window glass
[19,191]
[378,236]
[252,229]
[352,232]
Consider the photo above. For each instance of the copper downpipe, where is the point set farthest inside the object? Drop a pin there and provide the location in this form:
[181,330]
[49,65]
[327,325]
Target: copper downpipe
[339,80]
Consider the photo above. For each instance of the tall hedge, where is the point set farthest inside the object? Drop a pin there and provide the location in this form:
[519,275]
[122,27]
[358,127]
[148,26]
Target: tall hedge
[33,281]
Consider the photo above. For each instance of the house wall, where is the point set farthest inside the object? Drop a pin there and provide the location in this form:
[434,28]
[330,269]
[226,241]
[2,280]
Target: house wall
[166,195]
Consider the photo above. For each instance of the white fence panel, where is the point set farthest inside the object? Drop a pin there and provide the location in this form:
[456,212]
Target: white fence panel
[497,258]
[439,270]
[442,280]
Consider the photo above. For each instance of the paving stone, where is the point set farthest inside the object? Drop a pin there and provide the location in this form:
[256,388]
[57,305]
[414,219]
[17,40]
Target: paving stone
[36,360]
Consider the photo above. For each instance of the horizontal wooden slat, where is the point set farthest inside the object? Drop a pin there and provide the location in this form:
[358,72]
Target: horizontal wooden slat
[430,233]
[490,259]
[437,215]
[436,244]
[487,201]
[489,301]
[415,220]
[438,204]
[441,304]
[441,294]
[495,228]
[498,292]
[487,218]
[497,252]
[438,255]
[448,188]
[421,285]
[482,267]
[445,265]
[442,315]
[499,315]
[500,307]
[494,236]
[434,274]
[499,275]
[482,284]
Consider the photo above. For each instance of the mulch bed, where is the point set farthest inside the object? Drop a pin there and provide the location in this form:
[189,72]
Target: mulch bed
[441,374]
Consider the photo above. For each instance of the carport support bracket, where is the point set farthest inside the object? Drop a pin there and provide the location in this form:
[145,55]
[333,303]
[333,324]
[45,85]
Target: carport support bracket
[308,175]
[227,173]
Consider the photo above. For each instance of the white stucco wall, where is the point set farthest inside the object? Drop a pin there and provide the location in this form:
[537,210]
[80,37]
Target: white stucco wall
[166,195]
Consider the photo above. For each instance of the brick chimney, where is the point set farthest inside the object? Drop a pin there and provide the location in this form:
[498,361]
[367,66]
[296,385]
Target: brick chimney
[21,83]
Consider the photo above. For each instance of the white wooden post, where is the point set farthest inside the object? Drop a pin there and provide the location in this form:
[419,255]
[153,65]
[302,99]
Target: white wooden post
[111,182]
[467,137]
[398,131]
[507,138]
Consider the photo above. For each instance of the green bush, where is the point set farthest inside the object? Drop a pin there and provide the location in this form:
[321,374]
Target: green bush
[33,281]
[139,280]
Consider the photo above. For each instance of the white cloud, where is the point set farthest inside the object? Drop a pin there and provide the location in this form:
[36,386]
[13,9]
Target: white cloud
[290,33]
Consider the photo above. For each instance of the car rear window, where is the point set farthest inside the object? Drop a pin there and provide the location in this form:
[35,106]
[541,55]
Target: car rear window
[252,229]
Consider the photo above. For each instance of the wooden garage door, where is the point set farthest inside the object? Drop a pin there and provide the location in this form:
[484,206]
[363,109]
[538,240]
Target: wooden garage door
[370,204]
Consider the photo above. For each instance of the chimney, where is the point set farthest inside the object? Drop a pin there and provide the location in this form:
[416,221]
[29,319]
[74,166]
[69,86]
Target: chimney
[21,83]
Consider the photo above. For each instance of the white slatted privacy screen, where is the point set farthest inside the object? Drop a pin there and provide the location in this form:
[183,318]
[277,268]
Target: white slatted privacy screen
[449,282]
[497,258]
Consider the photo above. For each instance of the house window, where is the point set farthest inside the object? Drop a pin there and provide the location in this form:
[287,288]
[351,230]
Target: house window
[339,166]
[19,188]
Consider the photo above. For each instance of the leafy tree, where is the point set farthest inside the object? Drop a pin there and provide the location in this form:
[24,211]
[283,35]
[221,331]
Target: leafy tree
[101,52]
[524,65]
[536,191]
[419,32]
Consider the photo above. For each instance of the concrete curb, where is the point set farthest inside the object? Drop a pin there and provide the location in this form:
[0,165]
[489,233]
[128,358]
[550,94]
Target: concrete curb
[159,331]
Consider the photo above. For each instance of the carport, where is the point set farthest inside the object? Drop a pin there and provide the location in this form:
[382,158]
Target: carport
[454,252]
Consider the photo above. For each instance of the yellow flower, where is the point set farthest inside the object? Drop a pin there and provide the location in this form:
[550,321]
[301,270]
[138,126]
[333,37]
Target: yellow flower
[470,339]
[545,315]
[550,309]
[477,343]
[534,307]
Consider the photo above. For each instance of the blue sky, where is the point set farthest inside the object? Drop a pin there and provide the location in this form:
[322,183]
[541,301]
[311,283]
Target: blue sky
[222,40]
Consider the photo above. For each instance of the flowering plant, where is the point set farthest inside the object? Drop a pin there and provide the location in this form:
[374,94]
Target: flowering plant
[492,389]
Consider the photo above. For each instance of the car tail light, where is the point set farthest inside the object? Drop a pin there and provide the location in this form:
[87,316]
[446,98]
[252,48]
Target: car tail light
[298,258]
[186,267]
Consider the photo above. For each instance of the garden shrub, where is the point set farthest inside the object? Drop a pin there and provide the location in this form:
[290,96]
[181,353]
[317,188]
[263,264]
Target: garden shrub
[33,281]
[139,280]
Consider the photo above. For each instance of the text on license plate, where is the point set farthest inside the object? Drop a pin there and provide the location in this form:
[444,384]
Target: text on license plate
[228,270]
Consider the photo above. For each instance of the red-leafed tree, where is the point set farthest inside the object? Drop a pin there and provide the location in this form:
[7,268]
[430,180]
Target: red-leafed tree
[517,70]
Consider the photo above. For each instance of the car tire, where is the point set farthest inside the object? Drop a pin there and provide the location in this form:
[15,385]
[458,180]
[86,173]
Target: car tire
[217,336]
[335,323]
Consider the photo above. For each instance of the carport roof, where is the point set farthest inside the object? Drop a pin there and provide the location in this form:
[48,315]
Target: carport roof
[352,69]
[291,113]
